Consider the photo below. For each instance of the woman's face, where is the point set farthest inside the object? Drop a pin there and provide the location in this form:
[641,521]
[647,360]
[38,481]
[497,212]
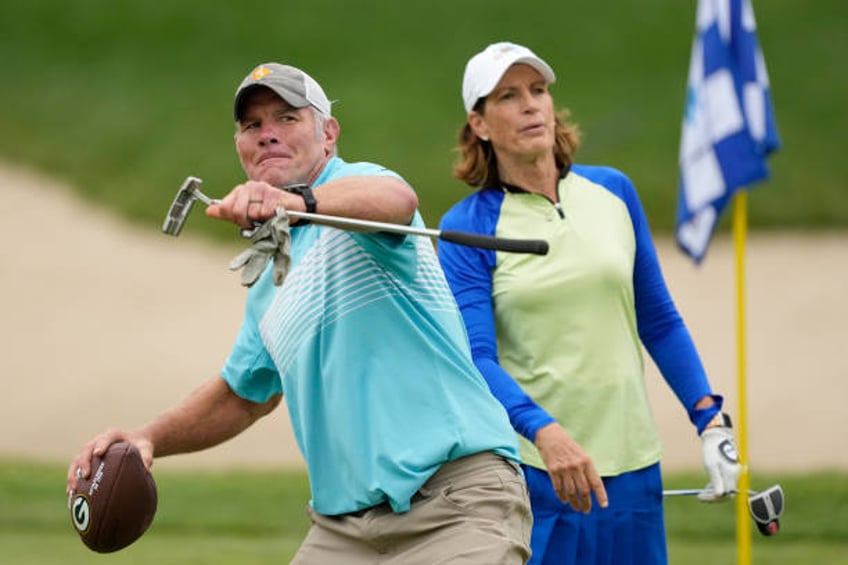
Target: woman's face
[518,118]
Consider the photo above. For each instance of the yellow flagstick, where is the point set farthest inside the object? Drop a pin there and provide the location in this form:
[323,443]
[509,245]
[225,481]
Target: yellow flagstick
[743,528]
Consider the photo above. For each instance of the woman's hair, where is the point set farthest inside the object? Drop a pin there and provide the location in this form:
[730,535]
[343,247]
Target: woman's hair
[478,164]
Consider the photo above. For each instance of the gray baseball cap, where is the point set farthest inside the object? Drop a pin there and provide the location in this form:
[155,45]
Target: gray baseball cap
[289,83]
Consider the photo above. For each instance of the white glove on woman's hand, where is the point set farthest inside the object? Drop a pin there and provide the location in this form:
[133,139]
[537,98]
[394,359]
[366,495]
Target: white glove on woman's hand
[721,460]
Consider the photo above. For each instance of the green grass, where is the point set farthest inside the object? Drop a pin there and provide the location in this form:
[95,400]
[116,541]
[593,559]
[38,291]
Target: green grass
[209,518]
[246,517]
[125,99]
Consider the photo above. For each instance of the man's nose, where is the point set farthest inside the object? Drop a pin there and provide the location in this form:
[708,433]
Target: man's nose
[268,135]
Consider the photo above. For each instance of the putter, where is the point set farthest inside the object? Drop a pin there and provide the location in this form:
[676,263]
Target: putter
[765,506]
[190,192]
[178,213]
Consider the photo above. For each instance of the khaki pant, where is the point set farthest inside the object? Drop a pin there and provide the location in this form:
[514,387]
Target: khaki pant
[474,510]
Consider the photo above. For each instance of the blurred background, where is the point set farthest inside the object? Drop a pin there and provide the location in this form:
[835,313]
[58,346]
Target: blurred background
[126,99]
[108,106]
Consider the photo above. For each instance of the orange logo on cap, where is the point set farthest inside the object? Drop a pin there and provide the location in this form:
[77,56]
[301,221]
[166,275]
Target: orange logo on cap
[259,73]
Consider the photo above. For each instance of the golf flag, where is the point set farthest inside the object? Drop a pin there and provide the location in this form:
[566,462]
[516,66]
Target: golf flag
[728,124]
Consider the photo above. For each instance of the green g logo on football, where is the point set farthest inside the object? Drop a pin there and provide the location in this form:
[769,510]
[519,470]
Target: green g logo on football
[81,513]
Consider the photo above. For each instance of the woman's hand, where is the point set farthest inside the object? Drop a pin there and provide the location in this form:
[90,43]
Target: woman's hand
[572,471]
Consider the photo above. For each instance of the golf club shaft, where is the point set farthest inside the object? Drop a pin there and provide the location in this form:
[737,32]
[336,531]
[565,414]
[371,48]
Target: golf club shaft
[535,246]
[696,492]
[205,199]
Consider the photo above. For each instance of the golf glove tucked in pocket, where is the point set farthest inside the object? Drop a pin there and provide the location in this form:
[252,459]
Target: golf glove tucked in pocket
[721,460]
[271,241]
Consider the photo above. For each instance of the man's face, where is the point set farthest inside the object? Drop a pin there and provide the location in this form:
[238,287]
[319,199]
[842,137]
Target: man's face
[279,144]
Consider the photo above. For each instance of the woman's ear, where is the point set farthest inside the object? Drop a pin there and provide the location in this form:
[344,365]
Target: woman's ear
[478,125]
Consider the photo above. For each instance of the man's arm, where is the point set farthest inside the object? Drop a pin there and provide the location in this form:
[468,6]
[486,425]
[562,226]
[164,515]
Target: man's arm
[210,415]
[375,198]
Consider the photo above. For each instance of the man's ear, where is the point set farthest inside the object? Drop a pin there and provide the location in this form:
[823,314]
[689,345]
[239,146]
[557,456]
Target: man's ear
[331,133]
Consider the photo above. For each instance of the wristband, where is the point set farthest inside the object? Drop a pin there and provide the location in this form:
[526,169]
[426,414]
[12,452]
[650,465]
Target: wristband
[305,192]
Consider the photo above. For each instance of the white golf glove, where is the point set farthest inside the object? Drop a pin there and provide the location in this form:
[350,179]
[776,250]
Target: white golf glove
[721,460]
[271,240]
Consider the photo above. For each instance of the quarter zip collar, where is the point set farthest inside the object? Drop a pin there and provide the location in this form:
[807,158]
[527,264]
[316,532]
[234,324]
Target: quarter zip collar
[514,188]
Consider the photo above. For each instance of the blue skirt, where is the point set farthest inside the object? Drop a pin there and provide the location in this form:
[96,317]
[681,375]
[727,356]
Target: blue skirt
[630,531]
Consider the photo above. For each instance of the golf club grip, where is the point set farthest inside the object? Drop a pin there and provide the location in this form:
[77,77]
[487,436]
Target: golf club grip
[535,246]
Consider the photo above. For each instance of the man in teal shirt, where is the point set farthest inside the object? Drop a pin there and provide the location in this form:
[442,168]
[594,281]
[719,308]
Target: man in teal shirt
[410,458]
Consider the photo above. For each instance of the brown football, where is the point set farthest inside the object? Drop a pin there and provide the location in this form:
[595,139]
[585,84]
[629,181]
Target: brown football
[115,505]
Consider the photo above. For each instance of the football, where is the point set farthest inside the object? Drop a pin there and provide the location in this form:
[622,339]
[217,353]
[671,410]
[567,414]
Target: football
[115,505]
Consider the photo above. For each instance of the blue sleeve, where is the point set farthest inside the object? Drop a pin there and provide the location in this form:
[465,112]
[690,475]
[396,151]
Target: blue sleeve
[660,326]
[469,273]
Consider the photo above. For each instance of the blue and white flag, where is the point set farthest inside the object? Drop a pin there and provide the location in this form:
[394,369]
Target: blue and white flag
[728,125]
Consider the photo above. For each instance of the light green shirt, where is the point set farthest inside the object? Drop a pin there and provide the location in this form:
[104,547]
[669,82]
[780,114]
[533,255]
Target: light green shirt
[566,326]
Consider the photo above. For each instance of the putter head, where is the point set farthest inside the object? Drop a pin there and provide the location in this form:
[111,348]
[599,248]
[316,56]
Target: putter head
[766,509]
[181,207]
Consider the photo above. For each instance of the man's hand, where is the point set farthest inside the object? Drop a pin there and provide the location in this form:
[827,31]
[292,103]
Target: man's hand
[721,461]
[253,202]
[572,471]
[80,467]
